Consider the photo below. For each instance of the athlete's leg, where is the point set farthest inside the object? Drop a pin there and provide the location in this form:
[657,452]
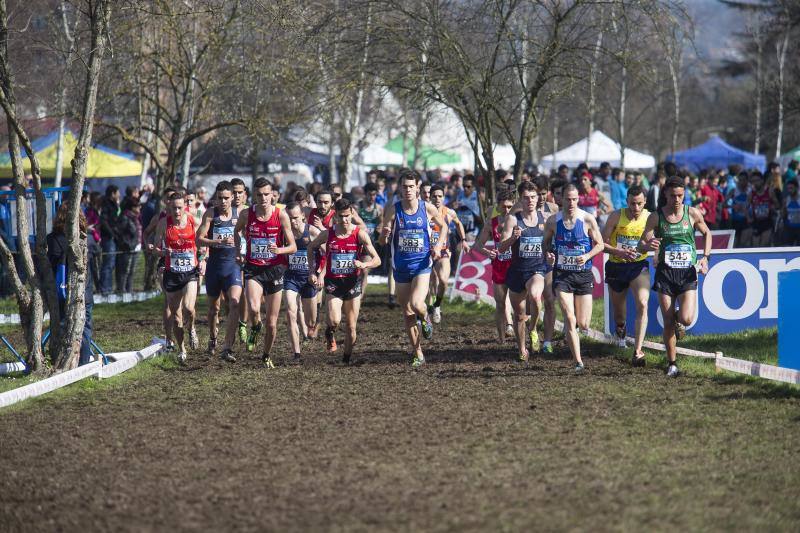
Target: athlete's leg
[667,304]
[404,294]
[619,304]
[583,310]
[214,305]
[535,288]
[549,308]
[351,308]
[500,320]
[443,274]
[272,309]
[566,301]
[292,318]
[419,290]
[519,306]
[333,320]
[310,315]
[174,319]
[234,298]
[187,308]
[641,293]
[253,294]
[688,306]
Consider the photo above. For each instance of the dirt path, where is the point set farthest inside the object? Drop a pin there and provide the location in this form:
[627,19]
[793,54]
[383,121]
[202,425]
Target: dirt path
[472,441]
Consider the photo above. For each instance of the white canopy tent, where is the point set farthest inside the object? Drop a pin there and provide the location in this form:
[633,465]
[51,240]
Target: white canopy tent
[378,156]
[602,148]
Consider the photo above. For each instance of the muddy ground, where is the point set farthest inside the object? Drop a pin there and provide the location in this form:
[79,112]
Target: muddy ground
[473,441]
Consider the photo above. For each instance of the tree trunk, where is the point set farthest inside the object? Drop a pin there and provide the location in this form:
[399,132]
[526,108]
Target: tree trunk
[757,35]
[555,138]
[67,350]
[781,52]
[592,104]
[676,94]
[623,96]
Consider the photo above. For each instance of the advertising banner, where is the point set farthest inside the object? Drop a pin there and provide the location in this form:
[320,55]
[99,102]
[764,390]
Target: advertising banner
[739,292]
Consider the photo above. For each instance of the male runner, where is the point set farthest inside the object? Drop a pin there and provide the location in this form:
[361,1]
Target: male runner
[175,234]
[628,268]
[441,264]
[670,231]
[548,208]
[371,213]
[223,273]
[523,234]
[500,262]
[575,238]
[407,222]
[298,282]
[342,277]
[239,203]
[269,238]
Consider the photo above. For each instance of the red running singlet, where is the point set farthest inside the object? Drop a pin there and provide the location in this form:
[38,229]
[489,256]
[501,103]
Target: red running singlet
[260,235]
[341,255]
[180,246]
[502,261]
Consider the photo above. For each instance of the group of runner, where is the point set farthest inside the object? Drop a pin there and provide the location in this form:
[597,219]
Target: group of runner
[255,256]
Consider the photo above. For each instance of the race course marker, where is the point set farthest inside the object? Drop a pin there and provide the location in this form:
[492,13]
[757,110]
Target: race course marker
[761,370]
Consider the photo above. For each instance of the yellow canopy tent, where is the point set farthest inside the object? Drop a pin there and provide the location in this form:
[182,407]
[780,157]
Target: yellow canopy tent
[104,162]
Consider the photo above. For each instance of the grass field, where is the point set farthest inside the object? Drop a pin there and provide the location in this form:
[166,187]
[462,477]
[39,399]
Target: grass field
[473,441]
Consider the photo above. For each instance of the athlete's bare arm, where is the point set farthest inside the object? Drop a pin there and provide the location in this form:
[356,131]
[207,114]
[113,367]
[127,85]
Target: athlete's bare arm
[460,229]
[202,231]
[288,234]
[241,223]
[699,224]
[357,220]
[596,236]
[611,225]
[158,238]
[480,243]
[547,240]
[648,242]
[435,216]
[387,226]
[511,232]
[366,242]
[317,278]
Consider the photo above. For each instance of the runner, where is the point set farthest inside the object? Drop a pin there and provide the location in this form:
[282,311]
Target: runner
[223,273]
[371,213]
[239,203]
[762,211]
[522,234]
[500,262]
[628,268]
[176,235]
[441,264]
[791,214]
[298,284]
[576,239]
[670,231]
[406,221]
[269,238]
[344,244]
[548,208]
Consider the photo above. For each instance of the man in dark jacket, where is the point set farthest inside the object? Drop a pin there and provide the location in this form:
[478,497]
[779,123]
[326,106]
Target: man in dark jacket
[109,214]
[129,237]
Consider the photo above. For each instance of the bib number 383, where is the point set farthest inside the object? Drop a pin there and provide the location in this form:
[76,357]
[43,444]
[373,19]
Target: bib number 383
[411,241]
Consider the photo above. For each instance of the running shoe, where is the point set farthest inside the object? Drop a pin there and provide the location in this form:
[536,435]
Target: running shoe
[242,332]
[672,371]
[620,340]
[252,340]
[523,357]
[182,358]
[427,328]
[212,345]
[437,315]
[547,347]
[297,359]
[330,341]
[579,368]
[392,301]
[418,361]
[170,347]
[227,355]
[584,332]
[194,342]
[680,330]
[509,330]
[534,340]
[346,359]
[638,360]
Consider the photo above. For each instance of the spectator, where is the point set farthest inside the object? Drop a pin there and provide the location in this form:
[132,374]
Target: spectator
[791,171]
[791,214]
[738,202]
[619,189]
[57,256]
[589,199]
[129,239]
[651,203]
[710,198]
[109,214]
[468,196]
[761,210]
[202,197]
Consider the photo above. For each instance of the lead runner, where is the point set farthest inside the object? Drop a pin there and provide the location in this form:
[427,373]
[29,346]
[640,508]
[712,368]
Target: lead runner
[670,231]
[407,222]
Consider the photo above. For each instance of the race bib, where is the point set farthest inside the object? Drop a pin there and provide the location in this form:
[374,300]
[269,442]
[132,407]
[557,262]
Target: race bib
[411,241]
[343,264]
[504,256]
[678,255]
[762,211]
[793,216]
[259,248]
[298,261]
[434,238]
[530,247]
[568,258]
[222,233]
[181,261]
[371,227]
[629,244]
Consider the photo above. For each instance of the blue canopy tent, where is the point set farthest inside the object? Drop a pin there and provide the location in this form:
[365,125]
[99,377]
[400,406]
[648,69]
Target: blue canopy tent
[716,153]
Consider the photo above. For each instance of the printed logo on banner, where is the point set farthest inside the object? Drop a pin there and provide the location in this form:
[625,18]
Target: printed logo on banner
[739,292]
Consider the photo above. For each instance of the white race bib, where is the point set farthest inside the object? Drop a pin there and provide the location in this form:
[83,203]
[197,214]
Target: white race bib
[629,244]
[221,233]
[298,261]
[411,241]
[181,261]
[259,248]
[530,247]
[343,263]
[568,258]
[678,255]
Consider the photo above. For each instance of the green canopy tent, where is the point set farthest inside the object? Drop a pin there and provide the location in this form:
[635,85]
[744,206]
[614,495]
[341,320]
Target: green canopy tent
[786,158]
[429,156]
